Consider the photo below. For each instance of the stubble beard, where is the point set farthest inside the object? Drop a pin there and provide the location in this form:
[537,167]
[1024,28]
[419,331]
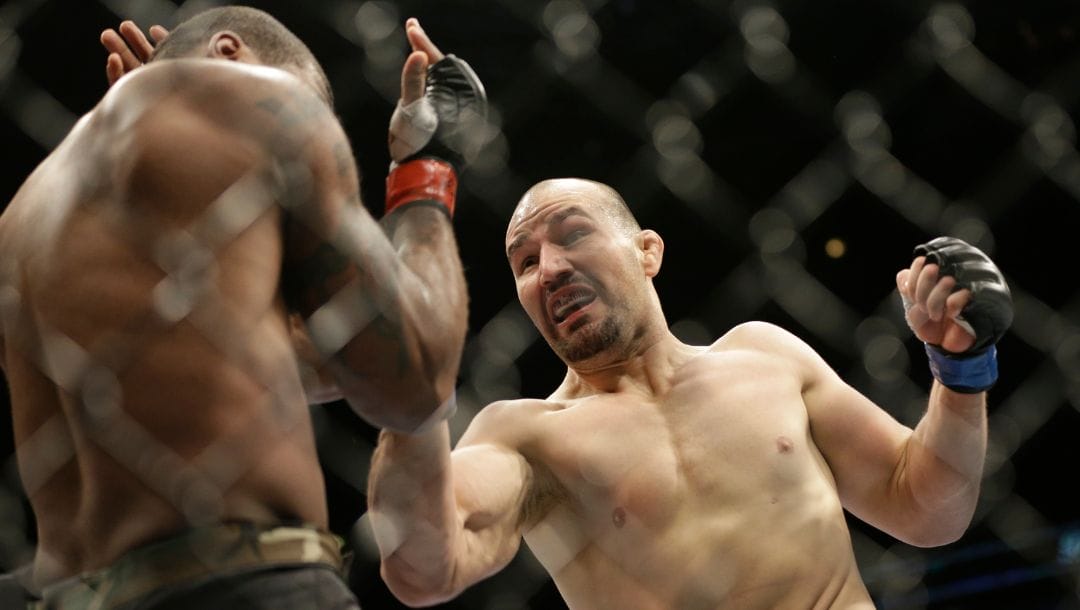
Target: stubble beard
[589,340]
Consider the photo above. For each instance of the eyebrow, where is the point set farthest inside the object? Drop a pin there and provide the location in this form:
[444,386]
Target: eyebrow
[555,219]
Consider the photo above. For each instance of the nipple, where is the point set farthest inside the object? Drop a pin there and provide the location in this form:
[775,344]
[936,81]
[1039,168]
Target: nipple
[618,517]
[784,444]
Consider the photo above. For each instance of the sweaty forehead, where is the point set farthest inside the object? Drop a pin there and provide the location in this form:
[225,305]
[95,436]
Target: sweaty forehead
[556,199]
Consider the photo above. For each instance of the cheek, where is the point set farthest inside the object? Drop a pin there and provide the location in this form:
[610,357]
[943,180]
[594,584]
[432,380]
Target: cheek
[529,297]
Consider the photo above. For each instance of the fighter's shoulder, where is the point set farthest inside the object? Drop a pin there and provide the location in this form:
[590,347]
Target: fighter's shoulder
[199,74]
[236,95]
[521,409]
[756,335]
[508,421]
[769,341]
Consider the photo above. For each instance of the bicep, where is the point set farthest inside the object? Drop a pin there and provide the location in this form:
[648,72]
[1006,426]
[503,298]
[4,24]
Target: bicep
[862,443]
[490,486]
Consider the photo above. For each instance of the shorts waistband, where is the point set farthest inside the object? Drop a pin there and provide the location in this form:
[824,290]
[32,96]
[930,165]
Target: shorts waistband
[191,556]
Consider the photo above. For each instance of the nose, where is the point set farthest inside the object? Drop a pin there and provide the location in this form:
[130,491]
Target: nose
[553,265]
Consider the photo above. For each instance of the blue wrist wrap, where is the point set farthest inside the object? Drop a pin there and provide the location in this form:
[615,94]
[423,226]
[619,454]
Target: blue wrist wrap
[964,374]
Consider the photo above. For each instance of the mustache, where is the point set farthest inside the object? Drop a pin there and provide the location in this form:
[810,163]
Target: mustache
[563,282]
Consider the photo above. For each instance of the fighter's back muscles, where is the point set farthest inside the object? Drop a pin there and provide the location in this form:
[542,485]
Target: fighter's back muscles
[171,142]
[372,304]
[101,230]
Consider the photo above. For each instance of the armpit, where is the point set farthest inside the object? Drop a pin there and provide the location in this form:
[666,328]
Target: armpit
[543,491]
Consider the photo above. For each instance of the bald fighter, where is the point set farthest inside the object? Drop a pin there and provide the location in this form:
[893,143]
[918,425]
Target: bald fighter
[161,267]
[661,475]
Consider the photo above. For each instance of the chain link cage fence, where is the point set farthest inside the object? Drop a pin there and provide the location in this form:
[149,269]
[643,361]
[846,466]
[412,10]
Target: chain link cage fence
[791,154]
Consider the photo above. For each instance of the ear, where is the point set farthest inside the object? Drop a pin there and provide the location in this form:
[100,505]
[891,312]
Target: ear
[652,251]
[227,44]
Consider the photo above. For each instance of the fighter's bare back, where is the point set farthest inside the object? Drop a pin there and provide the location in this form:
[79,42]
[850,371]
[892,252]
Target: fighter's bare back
[102,249]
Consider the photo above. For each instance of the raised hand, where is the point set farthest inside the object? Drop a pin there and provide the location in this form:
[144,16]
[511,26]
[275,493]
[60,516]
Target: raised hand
[957,302]
[932,304]
[441,98]
[128,48]
[424,53]
[434,126]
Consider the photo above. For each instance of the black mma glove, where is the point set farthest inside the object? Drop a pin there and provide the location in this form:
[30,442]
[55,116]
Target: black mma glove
[986,316]
[431,138]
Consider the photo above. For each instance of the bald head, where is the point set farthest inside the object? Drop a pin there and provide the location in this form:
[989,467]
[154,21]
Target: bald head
[597,196]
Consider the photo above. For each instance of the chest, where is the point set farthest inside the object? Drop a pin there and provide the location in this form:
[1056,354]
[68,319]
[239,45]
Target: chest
[724,436]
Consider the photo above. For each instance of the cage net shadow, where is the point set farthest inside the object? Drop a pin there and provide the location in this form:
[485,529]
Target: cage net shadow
[791,154]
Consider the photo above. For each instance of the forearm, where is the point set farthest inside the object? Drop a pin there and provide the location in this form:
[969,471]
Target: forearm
[398,328]
[413,513]
[945,458]
[424,240]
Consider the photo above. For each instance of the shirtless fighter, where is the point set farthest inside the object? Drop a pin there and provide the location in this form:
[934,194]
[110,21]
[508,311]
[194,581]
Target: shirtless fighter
[661,475]
[150,268]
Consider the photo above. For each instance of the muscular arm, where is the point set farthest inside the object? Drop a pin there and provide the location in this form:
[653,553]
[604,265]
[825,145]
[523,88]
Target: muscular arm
[443,520]
[389,305]
[920,485]
[403,311]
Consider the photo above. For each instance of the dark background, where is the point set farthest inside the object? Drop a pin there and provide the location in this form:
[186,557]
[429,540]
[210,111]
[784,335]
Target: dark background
[750,135]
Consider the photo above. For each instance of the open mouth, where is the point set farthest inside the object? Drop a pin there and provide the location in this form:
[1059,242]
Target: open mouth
[566,303]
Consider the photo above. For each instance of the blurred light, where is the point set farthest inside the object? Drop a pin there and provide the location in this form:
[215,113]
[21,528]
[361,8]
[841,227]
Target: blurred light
[572,28]
[676,135]
[376,20]
[156,12]
[772,230]
[1067,355]
[700,92]
[42,117]
[859,117]
[908,568]
[884,175]
[964,221]
[762,25]
[377,24]
[810,192]
[885,358]
[835,248]
[10,47]
[663,109]
[1051,133]
[492,157]
[1005,437]
[952,27]
[1069,547]
[998,482]
[766,53]
[687,176]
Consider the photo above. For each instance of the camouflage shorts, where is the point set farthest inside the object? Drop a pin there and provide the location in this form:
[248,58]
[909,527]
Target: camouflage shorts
[194,556]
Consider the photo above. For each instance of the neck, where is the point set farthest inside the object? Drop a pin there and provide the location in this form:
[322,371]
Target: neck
[645,367]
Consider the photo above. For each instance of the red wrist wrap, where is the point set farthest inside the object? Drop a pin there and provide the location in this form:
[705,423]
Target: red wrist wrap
[421,180]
